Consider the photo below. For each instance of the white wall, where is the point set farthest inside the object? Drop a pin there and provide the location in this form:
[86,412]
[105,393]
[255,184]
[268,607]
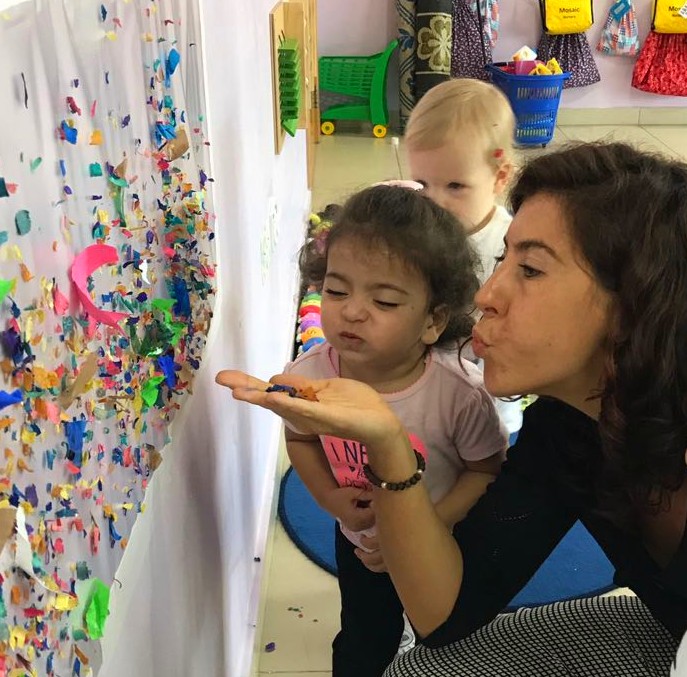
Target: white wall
[190,586]
[362,27]
[356,26]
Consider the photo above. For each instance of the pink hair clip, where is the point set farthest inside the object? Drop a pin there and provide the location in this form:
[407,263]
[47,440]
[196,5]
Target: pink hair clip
[400,183]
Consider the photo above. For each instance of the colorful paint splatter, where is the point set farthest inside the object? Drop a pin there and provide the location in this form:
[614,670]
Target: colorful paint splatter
[106,296]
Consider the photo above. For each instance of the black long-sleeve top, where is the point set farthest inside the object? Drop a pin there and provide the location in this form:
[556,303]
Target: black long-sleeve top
[530,507]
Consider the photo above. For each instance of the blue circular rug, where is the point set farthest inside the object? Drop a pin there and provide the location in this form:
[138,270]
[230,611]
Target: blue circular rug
[576,568]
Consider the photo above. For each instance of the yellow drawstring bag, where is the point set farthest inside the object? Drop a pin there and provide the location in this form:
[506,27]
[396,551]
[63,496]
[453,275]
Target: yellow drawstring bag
[669,16]
[563,17]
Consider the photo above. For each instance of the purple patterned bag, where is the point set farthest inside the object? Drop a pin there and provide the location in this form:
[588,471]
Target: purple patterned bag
[471,44]
[574,55]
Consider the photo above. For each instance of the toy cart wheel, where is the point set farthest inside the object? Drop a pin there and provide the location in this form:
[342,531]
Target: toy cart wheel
[379,131]
[327,128]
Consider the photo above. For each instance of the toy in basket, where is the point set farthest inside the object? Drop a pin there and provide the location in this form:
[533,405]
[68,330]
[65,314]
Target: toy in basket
[362,81]
[534,99]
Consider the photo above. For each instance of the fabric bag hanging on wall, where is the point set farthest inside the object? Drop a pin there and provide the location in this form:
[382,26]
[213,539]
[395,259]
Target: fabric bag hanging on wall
[434,39]
[669,16]
[662,65]
[488,11]
[563,17]
[620,35]
[574,55]
[471,45]
[405,12]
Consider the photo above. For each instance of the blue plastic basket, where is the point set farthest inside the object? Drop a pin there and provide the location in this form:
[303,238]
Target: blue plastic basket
[534,99]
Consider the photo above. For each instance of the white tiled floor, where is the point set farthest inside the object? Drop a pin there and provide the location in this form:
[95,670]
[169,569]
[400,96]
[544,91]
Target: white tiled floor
[301,611]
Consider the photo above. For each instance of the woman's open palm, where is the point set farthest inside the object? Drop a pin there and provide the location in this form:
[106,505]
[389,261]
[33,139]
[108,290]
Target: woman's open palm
[344,408]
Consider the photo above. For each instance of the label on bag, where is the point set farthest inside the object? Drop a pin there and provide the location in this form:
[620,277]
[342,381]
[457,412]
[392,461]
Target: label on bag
[683,11]
[620,8]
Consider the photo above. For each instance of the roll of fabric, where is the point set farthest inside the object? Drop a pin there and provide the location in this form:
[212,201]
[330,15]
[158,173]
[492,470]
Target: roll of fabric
[405,10]
[434,40]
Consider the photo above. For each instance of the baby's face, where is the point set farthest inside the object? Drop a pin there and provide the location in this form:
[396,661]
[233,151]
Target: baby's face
[459,177]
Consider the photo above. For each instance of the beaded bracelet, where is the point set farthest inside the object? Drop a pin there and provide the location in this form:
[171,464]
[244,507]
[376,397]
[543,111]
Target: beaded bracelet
[397,486]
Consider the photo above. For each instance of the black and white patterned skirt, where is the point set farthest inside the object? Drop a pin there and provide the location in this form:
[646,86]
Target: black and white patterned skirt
[594,637]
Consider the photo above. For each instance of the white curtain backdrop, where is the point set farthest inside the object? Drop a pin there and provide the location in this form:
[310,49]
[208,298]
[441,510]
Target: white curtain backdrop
[190,578]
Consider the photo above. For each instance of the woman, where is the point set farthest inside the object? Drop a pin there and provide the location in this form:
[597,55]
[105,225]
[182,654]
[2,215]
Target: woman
[587,309]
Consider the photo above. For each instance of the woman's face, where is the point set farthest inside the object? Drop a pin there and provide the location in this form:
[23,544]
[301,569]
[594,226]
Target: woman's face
[545,318]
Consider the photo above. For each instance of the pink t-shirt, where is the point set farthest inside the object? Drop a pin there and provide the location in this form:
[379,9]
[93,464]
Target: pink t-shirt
[449,416]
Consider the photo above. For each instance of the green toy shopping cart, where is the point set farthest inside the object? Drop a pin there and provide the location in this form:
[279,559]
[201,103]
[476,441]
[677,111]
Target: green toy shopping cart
[362,81]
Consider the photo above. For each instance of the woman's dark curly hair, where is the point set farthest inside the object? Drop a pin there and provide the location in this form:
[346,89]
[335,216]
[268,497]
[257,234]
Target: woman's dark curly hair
[627,212]
[424,236]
